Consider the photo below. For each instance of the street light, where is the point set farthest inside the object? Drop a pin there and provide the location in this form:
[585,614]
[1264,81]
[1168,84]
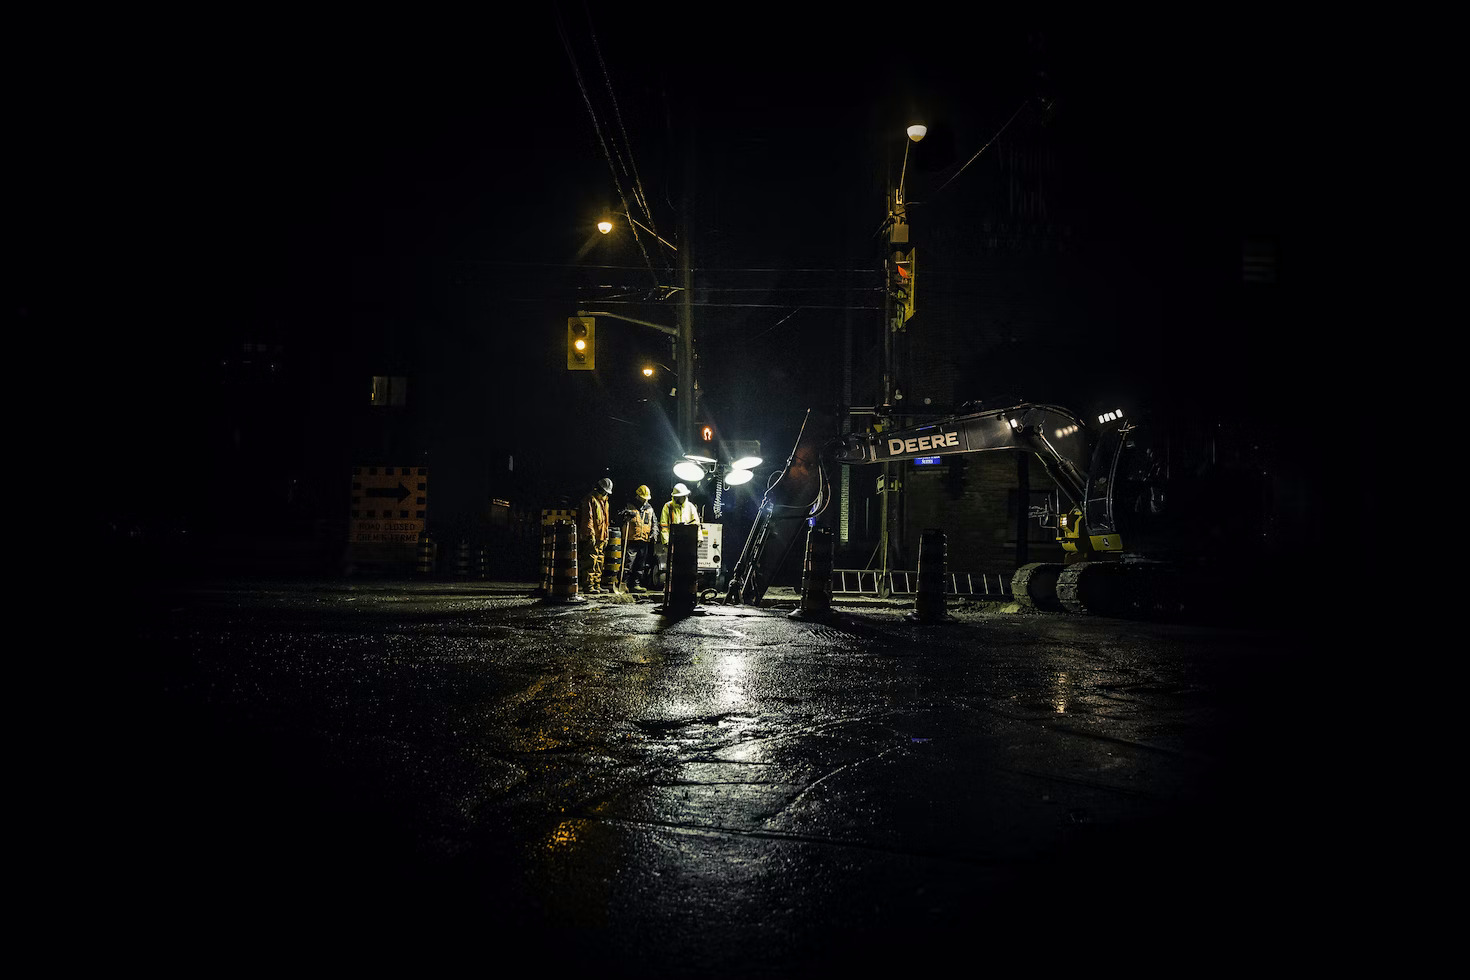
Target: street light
[683,334]
[899,279]
[654,366]
[916,132]
[606,226]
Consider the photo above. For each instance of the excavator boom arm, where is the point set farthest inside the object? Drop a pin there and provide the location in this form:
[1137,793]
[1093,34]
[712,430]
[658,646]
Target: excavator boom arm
[1057,437]
[799,492]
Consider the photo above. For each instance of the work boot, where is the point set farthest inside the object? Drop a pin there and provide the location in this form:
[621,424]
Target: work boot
[639,589]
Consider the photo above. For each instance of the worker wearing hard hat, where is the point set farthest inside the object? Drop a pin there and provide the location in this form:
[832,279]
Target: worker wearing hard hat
[592,535]
[677,511]
[640,542]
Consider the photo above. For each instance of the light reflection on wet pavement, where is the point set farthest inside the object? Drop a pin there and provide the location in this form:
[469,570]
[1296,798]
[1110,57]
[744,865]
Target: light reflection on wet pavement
[733,792]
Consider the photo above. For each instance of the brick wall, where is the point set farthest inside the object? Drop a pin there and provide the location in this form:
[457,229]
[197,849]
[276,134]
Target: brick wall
[973,499]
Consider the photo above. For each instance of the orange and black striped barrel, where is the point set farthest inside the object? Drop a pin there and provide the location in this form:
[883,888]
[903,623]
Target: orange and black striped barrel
[680,587]
[564,561]
[612,559]
[929,600]
[548,548]
[816,583]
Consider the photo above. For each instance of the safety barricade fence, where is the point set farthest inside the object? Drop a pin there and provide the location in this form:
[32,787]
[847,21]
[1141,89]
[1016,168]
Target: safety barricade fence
[864,581]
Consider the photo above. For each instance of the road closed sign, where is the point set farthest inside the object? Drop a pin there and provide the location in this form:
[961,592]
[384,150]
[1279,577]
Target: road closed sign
[389,504]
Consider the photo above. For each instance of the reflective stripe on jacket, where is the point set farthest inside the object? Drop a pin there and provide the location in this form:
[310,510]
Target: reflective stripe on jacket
[641,527]
[675,514]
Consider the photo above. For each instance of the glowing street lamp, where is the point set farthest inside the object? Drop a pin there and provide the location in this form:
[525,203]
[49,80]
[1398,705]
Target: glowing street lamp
[683,334]
[606,226]
[916,132]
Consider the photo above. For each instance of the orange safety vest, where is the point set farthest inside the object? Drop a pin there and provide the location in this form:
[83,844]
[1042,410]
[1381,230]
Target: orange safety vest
[642,524]
[592,518]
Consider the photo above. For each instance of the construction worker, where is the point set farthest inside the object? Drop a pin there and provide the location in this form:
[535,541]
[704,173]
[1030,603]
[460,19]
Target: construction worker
[592,535]
[677,511]
[640,542]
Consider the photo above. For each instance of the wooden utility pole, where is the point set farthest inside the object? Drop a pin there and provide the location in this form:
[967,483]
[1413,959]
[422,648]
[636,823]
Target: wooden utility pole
[894,317]
[688,385]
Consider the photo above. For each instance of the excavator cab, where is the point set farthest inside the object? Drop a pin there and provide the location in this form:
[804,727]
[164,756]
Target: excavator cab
[1066,524]
[1069,533]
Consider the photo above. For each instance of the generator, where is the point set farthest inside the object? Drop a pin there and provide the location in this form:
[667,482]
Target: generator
[709,555]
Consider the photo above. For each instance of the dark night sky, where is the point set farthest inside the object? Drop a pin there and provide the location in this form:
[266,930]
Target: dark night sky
[420,192]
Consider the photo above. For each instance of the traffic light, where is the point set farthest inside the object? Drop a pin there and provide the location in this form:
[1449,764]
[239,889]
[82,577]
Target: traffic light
[581,352]
[905,265]
[706,433]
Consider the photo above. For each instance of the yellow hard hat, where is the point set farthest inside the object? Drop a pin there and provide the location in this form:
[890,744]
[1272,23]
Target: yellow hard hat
[642,493]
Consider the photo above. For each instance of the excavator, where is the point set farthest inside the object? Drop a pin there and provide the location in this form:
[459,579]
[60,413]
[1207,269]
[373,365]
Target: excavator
[1153,518]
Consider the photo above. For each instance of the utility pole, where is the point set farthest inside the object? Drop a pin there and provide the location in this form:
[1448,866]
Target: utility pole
[898,306]
[685,365]
[685,346]
[893,314]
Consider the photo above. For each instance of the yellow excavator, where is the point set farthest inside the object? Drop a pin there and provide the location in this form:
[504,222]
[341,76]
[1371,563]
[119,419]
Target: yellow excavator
[1152,518]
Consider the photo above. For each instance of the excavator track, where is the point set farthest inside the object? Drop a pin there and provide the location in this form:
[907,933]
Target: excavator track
[1034,586]
[1131,589]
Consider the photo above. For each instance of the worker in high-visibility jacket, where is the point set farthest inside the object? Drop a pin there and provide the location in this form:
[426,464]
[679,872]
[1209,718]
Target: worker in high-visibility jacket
[677,511]
[639,547]
[592,535]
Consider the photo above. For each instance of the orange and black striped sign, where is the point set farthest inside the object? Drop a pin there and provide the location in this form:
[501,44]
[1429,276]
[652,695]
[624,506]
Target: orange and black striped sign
[389,504]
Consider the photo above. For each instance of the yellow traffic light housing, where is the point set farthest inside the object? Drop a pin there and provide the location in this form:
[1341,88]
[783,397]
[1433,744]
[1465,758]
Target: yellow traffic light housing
[581,350]
[906,266]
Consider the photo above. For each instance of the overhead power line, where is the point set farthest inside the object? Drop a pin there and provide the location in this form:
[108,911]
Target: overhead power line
[608,153]
[866,271]
[631,164]
[986,146]
[752,306]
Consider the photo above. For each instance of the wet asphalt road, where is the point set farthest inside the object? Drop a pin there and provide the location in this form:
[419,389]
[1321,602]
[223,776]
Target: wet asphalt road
[363,772]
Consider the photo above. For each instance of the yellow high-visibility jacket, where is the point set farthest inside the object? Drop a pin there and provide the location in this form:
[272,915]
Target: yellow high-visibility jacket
[675,513]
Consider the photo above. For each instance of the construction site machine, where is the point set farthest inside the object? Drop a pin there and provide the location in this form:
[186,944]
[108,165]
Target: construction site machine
[1153,518]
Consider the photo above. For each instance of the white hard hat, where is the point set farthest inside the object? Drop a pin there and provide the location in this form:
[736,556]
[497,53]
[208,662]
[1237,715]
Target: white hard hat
[680,490]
